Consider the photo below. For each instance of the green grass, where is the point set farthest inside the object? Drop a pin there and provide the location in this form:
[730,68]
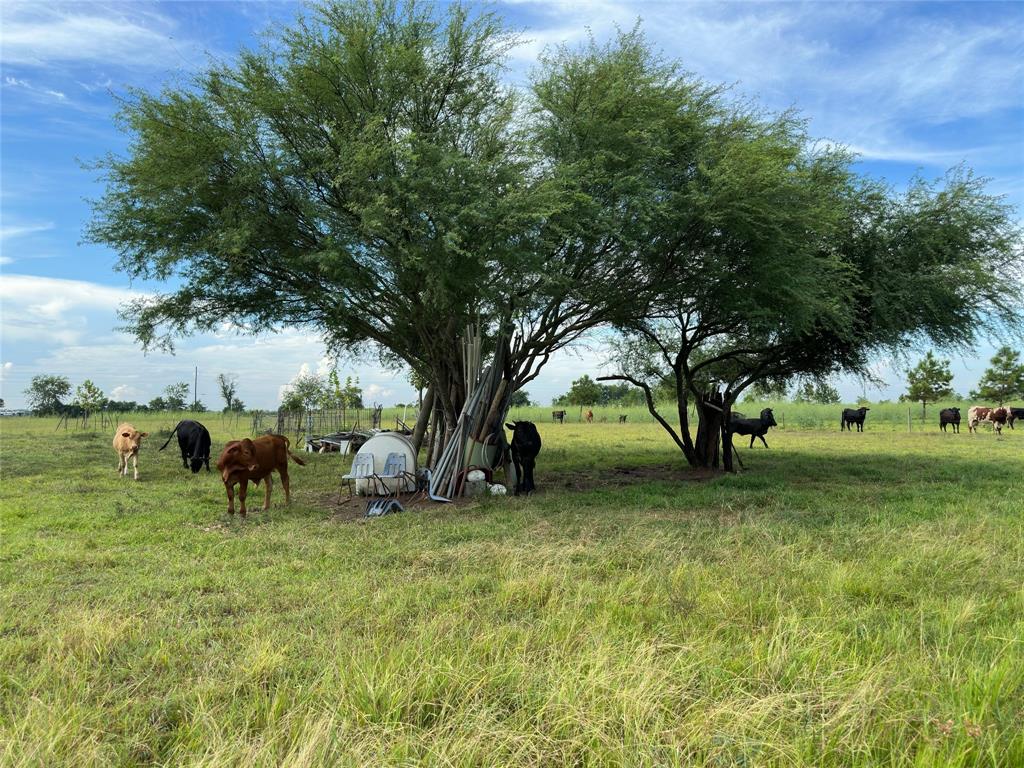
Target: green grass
[849,600]
[890,417]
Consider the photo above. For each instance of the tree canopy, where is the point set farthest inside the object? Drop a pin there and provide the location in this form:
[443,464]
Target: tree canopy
[368,175]
[45,394]
[89,397]
[929,381]
[1003,380]
[816,391]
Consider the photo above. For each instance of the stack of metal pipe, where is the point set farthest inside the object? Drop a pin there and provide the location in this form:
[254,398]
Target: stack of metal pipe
[478,437]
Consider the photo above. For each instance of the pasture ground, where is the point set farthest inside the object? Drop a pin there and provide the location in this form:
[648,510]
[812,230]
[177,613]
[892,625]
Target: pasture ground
[849,600]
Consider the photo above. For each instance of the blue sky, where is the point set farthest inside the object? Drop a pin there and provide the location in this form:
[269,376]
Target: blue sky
[913,87]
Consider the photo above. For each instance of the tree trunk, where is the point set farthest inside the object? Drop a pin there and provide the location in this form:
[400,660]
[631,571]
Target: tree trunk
[710,421]
[727,448]
[426,408]
[682,406]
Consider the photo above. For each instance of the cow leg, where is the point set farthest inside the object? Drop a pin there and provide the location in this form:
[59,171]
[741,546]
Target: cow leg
[120,463]
[231,498]
[184,458]
[243,491]
[761,437]
[528,465]
[752,440]
[268,485]
[285,483]
[519,473]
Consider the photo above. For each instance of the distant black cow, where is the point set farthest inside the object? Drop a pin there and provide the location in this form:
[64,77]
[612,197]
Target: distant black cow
[853,416]
[622,418]
[194,441]
[753,427]
[558,416]
[949,416]
[525,447]
[1015,413]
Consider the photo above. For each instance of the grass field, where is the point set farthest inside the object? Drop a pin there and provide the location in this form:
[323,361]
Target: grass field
[849,600]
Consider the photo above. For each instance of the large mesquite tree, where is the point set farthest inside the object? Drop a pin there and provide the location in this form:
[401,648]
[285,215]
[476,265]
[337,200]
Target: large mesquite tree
[367,176]
[763,255]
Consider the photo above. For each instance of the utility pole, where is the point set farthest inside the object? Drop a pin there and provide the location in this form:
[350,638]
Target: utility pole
[195,390]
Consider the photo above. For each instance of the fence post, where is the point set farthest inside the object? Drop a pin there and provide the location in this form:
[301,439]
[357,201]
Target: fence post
[910,427]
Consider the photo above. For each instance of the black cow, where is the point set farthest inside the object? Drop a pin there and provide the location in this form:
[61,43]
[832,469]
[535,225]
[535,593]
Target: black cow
[853,416]
[1015,413]
[194,442]
[558,416]
[622,418]
[525,447]
[753,427]
[949,416]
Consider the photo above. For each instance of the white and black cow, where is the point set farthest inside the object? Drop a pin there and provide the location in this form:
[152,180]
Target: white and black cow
[997,417]
[194,442]
[525,447]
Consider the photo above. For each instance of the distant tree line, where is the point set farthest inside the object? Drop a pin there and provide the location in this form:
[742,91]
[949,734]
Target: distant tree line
[50,395]
[309,392]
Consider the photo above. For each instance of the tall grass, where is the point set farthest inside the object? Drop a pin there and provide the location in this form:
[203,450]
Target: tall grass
[852,601]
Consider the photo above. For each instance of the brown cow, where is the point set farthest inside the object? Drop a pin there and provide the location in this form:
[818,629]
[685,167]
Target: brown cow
[127,441]
[590,416]
[245,460]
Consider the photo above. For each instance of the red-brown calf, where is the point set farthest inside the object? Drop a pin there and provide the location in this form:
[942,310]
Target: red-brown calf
[255,460]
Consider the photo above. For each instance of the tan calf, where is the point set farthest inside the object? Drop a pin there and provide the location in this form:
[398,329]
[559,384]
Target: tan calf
[127,441]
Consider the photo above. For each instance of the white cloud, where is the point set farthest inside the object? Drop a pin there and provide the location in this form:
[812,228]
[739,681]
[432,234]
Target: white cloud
[5,260]
[375,393]
[8,232]
[43,34]
[125,392]
[50,310]
[48,93]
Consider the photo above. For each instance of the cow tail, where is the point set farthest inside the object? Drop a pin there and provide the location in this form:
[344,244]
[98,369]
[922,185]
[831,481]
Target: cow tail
[288,450]
[170,436]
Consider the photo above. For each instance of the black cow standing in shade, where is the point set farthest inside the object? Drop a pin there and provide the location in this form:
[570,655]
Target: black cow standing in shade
[853,416]
[1015,413]
[525,447]
[194,442]
[949,416]
[754,427]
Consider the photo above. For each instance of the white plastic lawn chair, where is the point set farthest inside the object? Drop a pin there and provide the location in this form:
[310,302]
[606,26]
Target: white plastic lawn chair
[394,469]
[362,469]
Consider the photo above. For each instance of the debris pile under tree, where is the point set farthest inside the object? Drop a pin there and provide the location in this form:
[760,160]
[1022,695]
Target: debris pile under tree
[478,438]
